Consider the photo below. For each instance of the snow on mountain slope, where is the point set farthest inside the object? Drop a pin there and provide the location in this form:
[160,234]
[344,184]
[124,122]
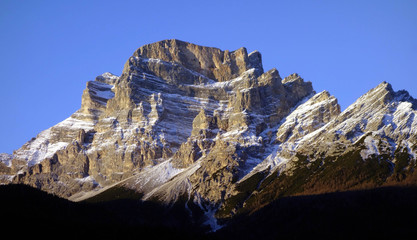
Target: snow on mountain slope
[48,142]
[380,112]
[311,114]
[6,159]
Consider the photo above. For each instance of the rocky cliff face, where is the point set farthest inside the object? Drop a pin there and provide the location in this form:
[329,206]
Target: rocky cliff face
[370,144]
[210,126]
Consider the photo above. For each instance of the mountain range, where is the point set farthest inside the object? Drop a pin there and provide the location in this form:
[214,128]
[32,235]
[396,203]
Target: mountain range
[210,130]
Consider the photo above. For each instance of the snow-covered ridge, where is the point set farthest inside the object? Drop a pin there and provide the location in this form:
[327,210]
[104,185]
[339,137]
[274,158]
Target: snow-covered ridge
[44,146]
[380,117]
[393,116]
[6,159]
[379,114]
[229,84]
[75,124]
[100,91]
[313,113]
[108,78]
[307,117]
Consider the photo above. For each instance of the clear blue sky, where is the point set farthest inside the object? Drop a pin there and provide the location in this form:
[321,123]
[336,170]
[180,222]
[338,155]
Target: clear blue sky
[50,49]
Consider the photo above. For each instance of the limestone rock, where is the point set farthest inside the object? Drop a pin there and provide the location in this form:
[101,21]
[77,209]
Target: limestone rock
[208,61]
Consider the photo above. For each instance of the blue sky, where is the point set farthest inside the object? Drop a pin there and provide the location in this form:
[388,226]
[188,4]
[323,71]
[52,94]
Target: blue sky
[50,49]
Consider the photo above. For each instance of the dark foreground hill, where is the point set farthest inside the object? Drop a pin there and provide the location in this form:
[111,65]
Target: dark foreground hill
[383,213]
[33,212]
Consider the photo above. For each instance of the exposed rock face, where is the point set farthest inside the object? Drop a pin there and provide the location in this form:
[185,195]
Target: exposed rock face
[210,62]
[174,101]
[194,122]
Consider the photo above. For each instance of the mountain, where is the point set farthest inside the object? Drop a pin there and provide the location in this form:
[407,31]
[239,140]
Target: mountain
[210,129]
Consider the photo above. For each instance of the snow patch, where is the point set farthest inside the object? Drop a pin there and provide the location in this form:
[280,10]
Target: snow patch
[6,159]
[87,179]
[154,176]
[168,187]
[209,212]
[41,147]
[75,124]
[371,147]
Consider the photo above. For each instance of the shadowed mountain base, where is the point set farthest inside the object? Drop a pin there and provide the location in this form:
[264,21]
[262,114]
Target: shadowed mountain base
[384,213]
[381,213]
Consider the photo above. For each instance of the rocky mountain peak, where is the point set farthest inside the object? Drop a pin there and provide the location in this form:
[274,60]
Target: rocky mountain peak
[209,61]
[108,78]
[386,93]
[381,96]
[291,78]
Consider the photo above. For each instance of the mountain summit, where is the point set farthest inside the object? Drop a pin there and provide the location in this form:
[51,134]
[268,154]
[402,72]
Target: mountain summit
[209,127]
